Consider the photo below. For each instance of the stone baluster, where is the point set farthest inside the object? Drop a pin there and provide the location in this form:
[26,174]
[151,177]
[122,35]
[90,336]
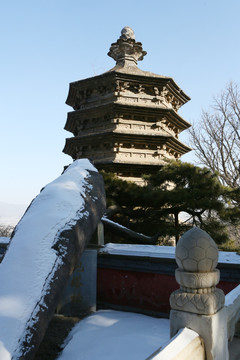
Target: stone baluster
[198,304]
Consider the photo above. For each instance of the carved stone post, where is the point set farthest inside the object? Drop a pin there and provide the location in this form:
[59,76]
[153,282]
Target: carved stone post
[198,304]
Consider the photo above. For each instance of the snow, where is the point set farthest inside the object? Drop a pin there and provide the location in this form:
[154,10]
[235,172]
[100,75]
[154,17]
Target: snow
[112,222]
[139,250]
[176,345]
[106,220]
[156,251]
[4,240]
[117,335]
[232,296]
[30,259]
[229,257]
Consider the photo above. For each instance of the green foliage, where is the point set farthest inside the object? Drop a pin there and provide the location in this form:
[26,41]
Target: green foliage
[229,245]
[178,188]
[125,202]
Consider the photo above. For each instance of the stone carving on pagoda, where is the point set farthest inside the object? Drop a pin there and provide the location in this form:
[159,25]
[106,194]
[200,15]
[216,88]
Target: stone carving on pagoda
[126,120]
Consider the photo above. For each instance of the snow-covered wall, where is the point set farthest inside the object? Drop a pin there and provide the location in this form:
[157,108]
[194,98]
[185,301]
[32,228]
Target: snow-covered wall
[155,251]
[43,251]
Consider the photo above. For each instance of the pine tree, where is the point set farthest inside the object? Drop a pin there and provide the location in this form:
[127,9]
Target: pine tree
[177,197]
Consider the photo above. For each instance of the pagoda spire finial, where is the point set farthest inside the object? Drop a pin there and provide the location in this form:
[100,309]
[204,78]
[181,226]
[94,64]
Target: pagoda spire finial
[126,51]
[127,33]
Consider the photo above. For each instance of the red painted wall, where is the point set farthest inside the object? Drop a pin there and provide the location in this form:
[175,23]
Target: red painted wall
[135,289]
[140,290]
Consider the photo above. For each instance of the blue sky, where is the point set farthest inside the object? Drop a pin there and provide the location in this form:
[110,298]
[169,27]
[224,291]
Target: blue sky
[47,44]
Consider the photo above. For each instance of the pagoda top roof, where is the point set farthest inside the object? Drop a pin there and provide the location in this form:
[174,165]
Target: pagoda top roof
[127,52]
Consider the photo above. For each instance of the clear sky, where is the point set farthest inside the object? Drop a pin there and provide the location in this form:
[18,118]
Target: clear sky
[47,44]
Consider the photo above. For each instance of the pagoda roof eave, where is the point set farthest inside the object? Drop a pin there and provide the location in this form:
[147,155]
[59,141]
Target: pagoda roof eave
[138,75]
[150,111]
[169,140]
[135,71]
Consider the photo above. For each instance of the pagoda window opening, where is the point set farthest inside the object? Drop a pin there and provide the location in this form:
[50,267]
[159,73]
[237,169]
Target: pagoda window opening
[127,145]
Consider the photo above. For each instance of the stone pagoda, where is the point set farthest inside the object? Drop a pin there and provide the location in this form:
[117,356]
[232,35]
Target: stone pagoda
[126,120]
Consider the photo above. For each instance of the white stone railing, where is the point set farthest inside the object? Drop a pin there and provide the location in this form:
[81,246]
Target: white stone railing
[198,304]
[185,345]
[188,345]
[232,305]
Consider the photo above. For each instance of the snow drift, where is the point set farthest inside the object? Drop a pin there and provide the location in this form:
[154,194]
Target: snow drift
[43,251]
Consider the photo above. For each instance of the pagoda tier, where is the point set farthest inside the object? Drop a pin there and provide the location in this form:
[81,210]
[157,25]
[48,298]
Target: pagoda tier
[126,120]
[119,117]
[123,148]
[132,88]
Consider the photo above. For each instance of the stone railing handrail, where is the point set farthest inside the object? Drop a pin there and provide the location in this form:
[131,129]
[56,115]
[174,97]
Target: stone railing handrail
[185,345]
[198,304]
[232,305]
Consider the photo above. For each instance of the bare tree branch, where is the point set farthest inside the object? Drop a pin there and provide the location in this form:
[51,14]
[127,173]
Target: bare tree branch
[6,230]
[127,233]
[216,138]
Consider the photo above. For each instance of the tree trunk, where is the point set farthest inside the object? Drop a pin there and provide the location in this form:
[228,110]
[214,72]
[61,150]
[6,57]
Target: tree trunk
[176,225]
[120,230]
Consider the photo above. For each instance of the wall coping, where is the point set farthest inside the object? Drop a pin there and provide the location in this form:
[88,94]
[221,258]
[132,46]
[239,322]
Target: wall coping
[156,251]
[185,345]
